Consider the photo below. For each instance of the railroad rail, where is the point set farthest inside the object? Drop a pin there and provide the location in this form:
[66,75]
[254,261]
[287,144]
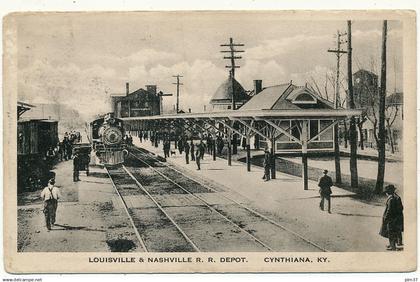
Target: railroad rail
[130,214]
[254,212]
[206,204]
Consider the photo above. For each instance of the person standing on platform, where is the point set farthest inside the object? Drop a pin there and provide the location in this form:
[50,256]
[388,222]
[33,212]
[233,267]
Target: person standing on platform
[152,138]
[187,152]
[325,183]
[200,150]
[208,142]
[76,167]
[392,219]
[192,150]
[65,147]
[141,137]
[129,139]
[243,143]
[50,196]
[50,156]
[60,151]
[166,148]
[220,145]
[267,165]
[68,148]
[180,145]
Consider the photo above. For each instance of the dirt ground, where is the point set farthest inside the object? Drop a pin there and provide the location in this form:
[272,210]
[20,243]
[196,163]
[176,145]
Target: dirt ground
[89,217]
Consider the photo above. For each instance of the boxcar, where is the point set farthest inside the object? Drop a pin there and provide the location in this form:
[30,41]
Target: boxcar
[34,137]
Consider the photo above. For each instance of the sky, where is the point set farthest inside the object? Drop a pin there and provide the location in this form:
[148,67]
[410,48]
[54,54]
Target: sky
[80,59]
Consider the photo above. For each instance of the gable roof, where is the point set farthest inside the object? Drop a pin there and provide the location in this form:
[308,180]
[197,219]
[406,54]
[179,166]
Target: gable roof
[267,98]
[281,97]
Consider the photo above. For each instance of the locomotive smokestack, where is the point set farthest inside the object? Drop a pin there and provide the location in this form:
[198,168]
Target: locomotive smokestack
[127,88]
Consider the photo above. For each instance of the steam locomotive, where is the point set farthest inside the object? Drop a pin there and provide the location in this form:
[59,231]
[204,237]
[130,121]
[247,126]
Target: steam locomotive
[106,135]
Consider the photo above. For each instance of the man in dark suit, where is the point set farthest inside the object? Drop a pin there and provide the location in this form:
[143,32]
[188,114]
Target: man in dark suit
[187,152]
[192,150]
[393,219]
[166,148]
[267,165]
[198,152]
[180,145]
[325,183]
[76,167]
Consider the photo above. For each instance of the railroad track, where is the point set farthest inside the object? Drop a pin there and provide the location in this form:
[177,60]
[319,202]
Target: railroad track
[176,240]
[162,227]
[271,235]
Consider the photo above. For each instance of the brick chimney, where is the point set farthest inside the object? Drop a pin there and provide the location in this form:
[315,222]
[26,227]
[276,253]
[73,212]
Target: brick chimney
[151,89]
[127,88]
[257,86]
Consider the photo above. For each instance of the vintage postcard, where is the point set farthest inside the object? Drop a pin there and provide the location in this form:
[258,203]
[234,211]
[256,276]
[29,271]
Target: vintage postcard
[212,141]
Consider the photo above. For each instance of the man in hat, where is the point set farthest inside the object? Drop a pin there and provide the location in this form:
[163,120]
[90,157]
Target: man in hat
[187,152]
[325,183]
[192,150]
[198,152]
[50,196]
[166,148]
[393,219]
[76,167]
[267,165]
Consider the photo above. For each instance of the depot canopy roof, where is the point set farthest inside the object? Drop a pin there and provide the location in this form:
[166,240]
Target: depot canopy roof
[250,114]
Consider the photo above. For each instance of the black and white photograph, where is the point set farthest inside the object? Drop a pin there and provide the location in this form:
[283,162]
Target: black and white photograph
[161,138]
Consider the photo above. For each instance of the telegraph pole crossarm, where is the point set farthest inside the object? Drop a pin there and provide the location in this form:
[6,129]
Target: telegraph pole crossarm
[232,57]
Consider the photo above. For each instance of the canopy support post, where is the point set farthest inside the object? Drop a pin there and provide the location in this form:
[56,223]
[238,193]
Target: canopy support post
[304,138]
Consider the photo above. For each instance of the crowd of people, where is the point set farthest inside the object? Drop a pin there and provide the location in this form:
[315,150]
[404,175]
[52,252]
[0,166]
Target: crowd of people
[194,152]
[63,151]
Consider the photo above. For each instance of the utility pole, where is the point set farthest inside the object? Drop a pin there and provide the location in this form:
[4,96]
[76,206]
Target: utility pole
[232,66]
[177,90]
[338,52]
[381,126]
[232,51]
[351,105]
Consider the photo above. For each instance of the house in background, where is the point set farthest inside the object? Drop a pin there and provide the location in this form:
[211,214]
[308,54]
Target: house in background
[366,93]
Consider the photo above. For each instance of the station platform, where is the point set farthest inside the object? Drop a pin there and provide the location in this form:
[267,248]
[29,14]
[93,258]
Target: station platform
[353,225]
[88,216]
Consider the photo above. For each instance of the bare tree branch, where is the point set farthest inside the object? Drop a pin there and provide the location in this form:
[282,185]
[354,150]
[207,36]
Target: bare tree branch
[317,87]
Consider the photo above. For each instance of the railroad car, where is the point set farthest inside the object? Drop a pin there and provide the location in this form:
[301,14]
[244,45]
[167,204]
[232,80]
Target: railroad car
[34,138]
[106,135]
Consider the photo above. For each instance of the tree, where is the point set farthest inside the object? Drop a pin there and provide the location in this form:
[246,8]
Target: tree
[391,113]
[381,125]
[352,131]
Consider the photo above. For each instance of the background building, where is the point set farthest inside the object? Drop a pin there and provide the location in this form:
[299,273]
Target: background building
[222,98]
[366,96]
[138,103]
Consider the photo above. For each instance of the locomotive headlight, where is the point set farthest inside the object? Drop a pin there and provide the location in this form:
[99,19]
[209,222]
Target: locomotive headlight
[112,136]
